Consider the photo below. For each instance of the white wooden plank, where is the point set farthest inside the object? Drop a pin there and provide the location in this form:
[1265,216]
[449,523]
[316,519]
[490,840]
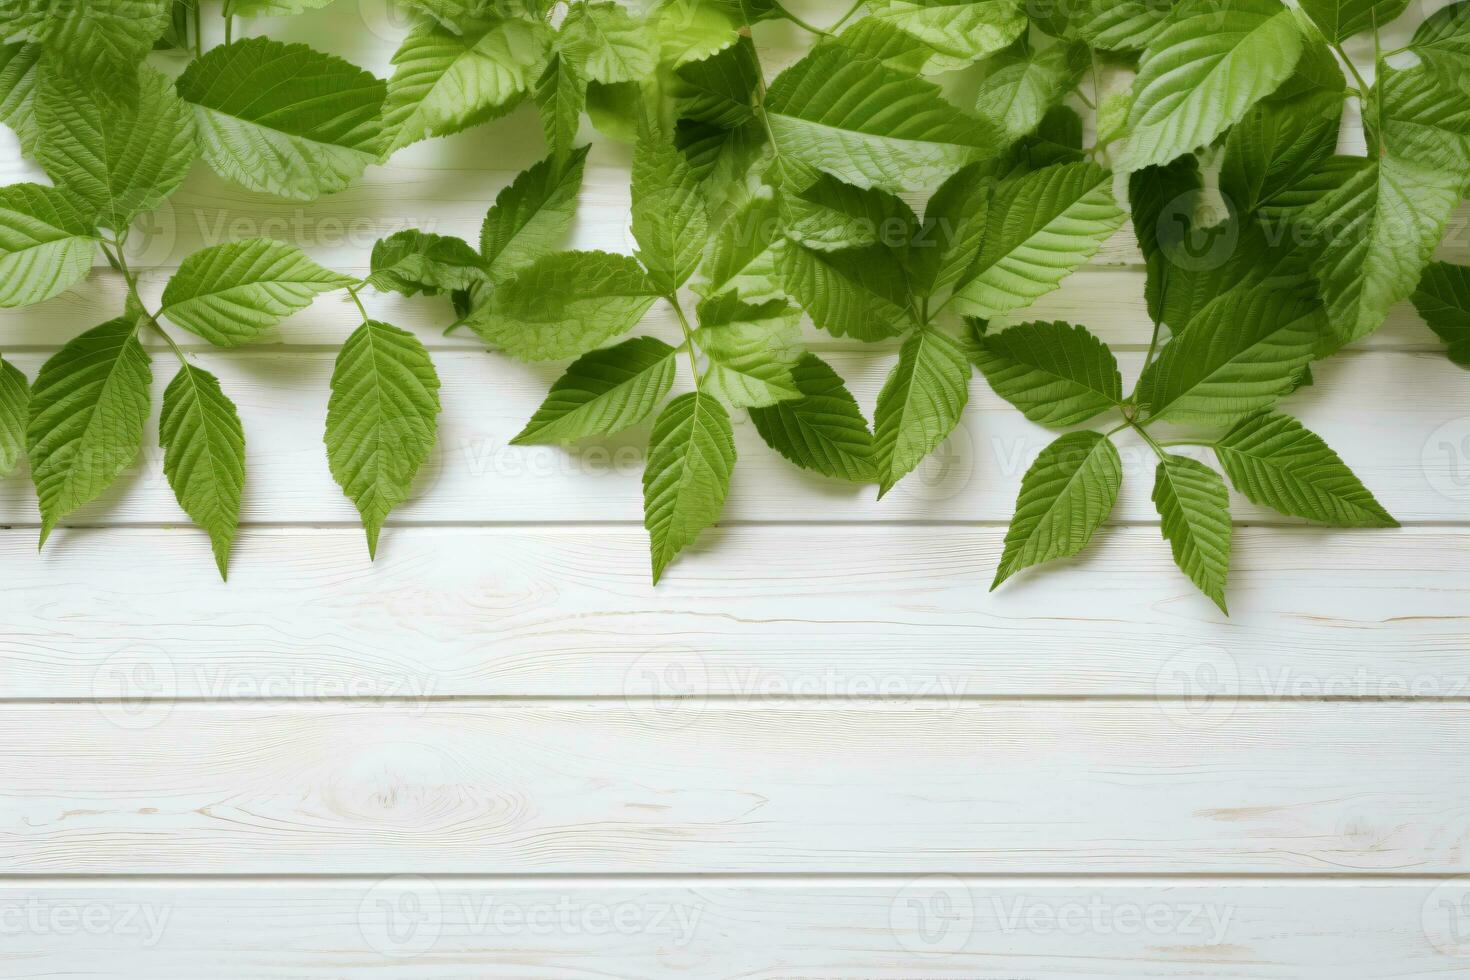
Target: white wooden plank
[689,785]
[417,928]
[760,613]
[1398,419]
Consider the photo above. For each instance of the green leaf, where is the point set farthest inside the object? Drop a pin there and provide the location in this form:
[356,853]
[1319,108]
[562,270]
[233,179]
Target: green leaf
[1443,300]
[230,294]
[1443,40]
[1201,74]
[46,244]
[823,430]
[1422,116]
[15,398]
[19,70]
[381,420]
[566,304]
[446,82]
[1341,19]
[960,30]
[604,43]
[274,8]
[1194,508]
[824,213]
[1022,85]
[560,96]
[532,215]
[860,293]
[1276,147]
[603,392]
[412,262]
[87,411]
[689,31]
[457,15]
[1041,226]
[1278,463]
[751,348]
[719,90]
[920,404]
[120,158]
[955,223]
[885,43]
[744,252]
[1065,497]
[1122,25]
[101,42]
[669,219]
[870,125]
[284,119]
[1241,353]
[1057,374]
[204,455]
[1379,230]
[690,457]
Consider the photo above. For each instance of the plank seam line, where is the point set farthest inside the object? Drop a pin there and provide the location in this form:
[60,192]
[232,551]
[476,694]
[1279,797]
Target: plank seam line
[634,523]
[705,879]
[733,699]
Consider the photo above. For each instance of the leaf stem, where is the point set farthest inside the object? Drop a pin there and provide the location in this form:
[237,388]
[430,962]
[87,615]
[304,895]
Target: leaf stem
[119,262]
[811,28]
[352,291]
[688,337]
[857,5]
[1363,86]
[1136,427]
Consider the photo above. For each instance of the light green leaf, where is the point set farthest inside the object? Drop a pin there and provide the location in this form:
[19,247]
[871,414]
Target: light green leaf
[1057,374]
[560,96]
[15,397]
[46,244]
[1443,300]
[1201,74]
[883,42]
[1379,229]
[1277,147]
[1238,355]
[603,392]
[532,215]
[960,30]
[1341,19]
[381,420]
[284,119]
[121,158]
[920,404]
[870,125]
[87,411]
[751,348]
[446,82]
[670,223]
[860,293]
[457,15]
[230,294]
[412,262]
[690,457]
[1194,508]
[204,455]
[823,430]
[1065,497]
[719,90]
[689,31]
[19,70]
[1278,463]
[566,304]
[1423,117]
[1021,85]
[604,43]
[1041,226]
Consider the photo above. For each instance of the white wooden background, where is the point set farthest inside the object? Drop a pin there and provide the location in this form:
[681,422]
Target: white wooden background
[820,748]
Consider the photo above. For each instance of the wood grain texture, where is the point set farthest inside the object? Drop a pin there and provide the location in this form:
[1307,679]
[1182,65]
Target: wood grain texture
[1399,420]
[420,928]
[759,613]
[691,785]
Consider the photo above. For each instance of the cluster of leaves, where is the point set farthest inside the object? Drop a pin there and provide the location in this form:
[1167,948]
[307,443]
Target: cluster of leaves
[756,206]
